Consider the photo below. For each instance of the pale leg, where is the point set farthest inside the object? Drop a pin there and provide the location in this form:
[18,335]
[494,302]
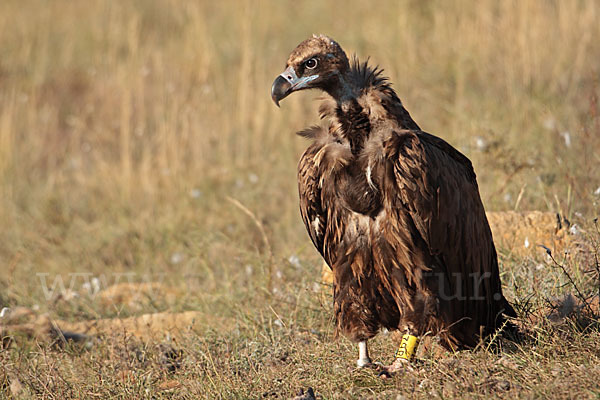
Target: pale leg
[363,355]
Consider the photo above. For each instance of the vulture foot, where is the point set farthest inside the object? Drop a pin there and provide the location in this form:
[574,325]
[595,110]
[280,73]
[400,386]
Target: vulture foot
[398,366]
[360,364]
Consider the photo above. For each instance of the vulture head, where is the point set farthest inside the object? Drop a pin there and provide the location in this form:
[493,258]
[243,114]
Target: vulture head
[317,63]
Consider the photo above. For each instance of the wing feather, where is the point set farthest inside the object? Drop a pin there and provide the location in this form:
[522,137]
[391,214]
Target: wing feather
[309,189]
[437,187]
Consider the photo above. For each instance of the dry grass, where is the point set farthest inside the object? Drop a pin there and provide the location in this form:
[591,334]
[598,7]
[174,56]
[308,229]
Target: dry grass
[125,126]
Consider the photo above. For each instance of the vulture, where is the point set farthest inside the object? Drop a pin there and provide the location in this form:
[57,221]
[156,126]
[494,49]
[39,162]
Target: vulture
[394,211]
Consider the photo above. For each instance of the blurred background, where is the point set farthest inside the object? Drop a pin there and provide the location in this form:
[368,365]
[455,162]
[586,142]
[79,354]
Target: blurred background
[125,126]
[138,139]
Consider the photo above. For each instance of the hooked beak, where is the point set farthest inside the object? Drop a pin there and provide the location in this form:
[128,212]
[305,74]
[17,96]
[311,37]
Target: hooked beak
[281,89]
[288,82]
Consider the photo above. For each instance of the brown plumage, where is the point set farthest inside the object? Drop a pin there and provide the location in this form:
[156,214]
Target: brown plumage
[393,210]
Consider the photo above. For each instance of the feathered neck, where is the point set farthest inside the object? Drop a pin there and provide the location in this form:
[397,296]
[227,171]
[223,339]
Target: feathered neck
[366,77]
[361,90]
[357,79]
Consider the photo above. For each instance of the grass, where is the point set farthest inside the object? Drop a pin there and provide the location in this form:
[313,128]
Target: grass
[126,126]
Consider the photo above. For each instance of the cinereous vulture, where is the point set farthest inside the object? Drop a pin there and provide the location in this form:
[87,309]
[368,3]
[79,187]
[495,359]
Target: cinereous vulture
[394,211]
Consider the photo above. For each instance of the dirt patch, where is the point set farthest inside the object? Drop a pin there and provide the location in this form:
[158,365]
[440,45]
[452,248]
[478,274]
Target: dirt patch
[147,327]
[136,296]
[523,233]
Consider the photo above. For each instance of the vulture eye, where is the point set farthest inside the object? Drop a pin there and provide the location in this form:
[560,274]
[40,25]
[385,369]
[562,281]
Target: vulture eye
[311,63]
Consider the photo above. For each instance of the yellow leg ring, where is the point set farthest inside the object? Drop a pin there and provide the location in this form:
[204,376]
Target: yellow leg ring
[408,347]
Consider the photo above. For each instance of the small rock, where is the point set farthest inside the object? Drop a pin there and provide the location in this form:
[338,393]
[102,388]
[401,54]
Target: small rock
[309,395]
[196,193]
[425,383]
[507,363]
[170,357]
[503,385]
[177,258]
[295,261]
[17,315]
[169,385]
[253,178]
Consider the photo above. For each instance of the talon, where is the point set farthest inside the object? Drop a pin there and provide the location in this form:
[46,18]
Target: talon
[398,365]
[384,375]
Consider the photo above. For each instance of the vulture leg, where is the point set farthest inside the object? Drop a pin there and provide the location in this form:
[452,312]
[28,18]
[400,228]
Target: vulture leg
[404,355]
[363,355]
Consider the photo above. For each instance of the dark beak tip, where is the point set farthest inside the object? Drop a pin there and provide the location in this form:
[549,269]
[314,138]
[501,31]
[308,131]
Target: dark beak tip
[275,98]
[280,89]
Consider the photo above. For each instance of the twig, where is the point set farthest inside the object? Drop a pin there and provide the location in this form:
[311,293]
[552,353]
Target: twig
[597,273]
[579,294]
[520,197]
[496,334]
[593,240]
[263,233]
[508,179]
